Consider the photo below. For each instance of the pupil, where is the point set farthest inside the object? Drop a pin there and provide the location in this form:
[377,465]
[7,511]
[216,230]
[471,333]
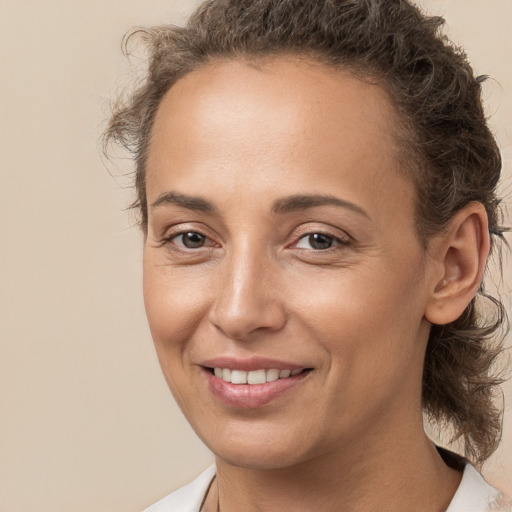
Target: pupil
[319,241]
[193,240]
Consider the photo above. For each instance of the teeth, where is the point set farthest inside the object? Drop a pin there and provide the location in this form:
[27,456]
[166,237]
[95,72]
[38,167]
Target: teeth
[238,377]
[257,377]
[254,376]
[272,375]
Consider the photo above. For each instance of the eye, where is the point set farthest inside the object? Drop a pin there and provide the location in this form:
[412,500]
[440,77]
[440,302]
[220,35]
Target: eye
[318,241]
[189,240]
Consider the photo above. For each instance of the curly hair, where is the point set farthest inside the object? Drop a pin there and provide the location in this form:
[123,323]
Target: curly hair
[446,146]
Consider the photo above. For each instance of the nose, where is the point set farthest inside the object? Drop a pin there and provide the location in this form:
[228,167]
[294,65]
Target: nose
[247,298]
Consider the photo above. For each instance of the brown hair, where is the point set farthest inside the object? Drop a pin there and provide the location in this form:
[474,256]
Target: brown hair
[446,144]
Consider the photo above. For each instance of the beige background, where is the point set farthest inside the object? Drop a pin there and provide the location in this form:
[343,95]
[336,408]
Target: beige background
[87,424]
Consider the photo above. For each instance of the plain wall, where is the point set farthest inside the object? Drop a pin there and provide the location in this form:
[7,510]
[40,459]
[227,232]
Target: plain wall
[87,423]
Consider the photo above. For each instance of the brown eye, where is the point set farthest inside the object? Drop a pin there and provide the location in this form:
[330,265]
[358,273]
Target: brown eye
[320,241]
[316,241]
[190,240]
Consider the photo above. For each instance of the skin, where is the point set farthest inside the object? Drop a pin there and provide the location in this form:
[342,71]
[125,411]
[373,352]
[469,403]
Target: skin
[243,138]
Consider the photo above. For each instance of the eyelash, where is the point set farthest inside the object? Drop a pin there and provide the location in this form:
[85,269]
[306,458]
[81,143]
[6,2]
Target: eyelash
[337,241]
[169,240]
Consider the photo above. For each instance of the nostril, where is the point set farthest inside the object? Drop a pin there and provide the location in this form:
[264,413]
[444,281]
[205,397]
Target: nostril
[242,323]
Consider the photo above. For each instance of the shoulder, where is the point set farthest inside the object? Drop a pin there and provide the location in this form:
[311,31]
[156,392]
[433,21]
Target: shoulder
[475,494]
[188,498]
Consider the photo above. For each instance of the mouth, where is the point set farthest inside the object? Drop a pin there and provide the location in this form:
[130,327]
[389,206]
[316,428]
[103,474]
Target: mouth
[250,389]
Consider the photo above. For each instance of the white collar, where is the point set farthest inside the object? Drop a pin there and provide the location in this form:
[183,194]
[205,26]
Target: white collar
[474,494]
[188,498]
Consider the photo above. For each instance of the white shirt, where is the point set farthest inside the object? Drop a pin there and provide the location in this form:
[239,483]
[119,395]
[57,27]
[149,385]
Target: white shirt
[474,494]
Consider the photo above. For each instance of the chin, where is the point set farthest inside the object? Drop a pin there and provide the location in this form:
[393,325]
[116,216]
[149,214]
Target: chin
[257,449]
[257,457]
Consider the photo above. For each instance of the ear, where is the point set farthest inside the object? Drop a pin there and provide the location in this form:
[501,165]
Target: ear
[460,255]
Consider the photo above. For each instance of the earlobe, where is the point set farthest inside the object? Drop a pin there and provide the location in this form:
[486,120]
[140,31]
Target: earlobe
[460,254]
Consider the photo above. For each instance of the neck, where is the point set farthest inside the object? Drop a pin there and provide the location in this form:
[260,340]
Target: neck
[405,475]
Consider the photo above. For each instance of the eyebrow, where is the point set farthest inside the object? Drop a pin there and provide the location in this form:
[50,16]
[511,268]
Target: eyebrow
[185,201]
[303,202]
[280,206]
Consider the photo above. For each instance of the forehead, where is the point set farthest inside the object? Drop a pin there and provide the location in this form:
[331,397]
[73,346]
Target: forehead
[283,120]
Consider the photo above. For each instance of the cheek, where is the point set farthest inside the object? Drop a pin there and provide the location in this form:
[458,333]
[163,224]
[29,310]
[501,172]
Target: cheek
[174,306]
[174,310]
[357,302]
[369,321]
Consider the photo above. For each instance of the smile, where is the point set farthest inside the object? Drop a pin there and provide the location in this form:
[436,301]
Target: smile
[249,389]
[261,376]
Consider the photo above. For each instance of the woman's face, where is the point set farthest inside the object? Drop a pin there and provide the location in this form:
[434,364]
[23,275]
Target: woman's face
[281,237]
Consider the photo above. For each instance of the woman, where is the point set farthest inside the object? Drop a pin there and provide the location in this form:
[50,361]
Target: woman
[317,190]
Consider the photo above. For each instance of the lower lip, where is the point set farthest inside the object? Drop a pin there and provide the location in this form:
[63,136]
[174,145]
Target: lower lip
[250,396]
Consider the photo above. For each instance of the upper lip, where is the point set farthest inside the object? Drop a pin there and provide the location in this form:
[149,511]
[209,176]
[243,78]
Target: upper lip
[252,363]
